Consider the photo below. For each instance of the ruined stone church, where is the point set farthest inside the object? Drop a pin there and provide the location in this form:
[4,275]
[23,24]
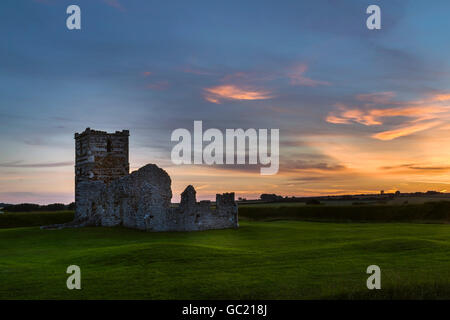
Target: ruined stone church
[106,194]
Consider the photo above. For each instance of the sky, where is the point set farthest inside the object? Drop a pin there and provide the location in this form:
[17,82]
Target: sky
[358,110]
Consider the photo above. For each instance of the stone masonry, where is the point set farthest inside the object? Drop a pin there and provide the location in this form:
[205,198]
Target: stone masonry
[107,195]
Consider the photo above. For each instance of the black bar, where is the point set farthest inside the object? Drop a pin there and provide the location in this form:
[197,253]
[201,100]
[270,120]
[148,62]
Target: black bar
[230,309]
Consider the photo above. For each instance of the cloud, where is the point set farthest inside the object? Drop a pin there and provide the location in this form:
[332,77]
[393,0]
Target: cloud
[235,86]
[373,116]
[298,79]
[405,131]
[406,165]
[346,116]
[19,164]
[435,168]
[233,92]
[441,97]
[310,165]
[419,114]
[420,169]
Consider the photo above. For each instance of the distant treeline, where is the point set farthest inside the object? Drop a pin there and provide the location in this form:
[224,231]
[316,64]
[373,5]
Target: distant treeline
[28,207]
[265,197]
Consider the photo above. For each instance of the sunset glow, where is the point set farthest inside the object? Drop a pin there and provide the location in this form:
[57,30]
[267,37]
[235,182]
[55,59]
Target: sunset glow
[358,111]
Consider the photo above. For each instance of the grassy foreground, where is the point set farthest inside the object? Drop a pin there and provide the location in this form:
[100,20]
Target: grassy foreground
[260,260]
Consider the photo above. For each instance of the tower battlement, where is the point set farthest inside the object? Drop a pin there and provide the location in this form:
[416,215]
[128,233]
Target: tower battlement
[89,131]
[101,156]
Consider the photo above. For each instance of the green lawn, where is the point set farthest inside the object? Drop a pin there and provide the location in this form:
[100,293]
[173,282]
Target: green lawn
[260,260]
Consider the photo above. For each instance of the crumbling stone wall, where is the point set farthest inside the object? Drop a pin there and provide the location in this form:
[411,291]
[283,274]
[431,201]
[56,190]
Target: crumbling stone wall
[107,195]
[193,215]
[142,200]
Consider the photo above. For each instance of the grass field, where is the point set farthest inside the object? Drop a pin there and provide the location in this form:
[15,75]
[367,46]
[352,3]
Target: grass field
[260,260]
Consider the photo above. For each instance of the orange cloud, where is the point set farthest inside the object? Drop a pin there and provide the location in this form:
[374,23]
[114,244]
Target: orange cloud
[441,97]
[297,77]
[233,92]
[374,116]
[346,116]
[336,120]
[418,112]
[404,131]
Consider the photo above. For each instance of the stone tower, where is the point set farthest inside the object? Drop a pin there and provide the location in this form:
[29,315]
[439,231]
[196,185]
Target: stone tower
[100,156]
[106,194]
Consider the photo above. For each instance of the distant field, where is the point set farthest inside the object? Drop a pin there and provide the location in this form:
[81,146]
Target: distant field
[265,259]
